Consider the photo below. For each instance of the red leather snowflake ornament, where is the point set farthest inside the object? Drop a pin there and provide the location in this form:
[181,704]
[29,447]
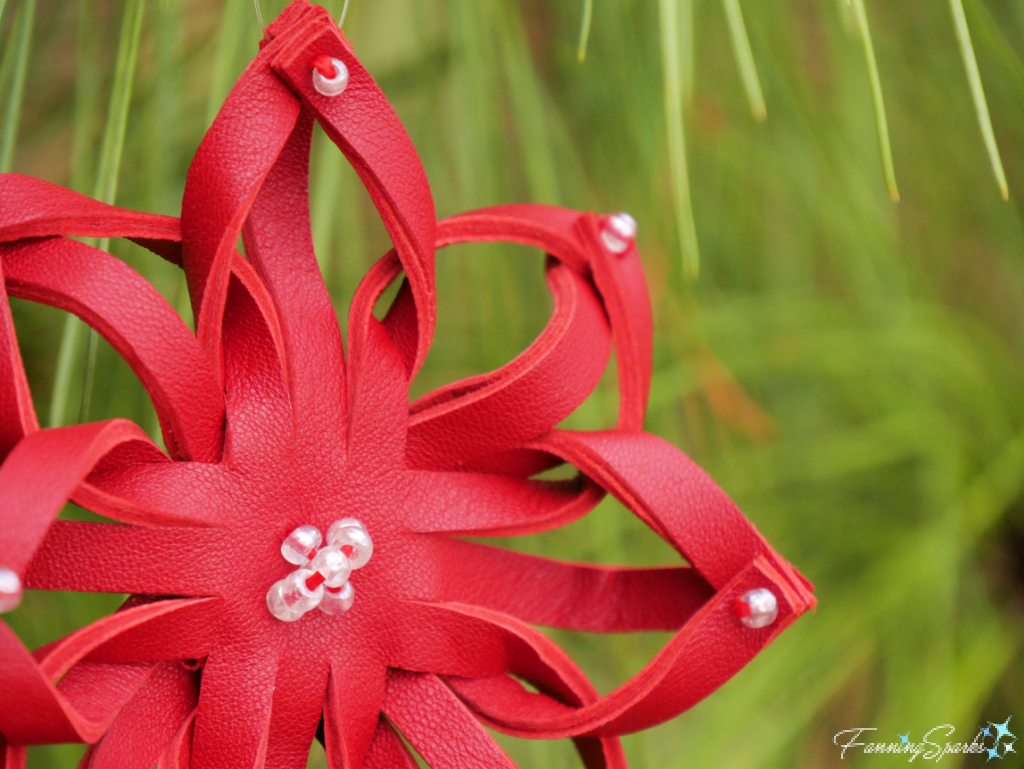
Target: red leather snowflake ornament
[271,425]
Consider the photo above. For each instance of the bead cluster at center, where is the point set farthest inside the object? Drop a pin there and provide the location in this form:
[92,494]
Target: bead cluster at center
[321,581]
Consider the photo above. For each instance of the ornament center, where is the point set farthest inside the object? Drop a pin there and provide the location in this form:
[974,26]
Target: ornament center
[321,581]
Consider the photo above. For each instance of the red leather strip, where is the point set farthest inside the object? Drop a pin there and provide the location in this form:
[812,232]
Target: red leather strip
[574,596]
[146,726]
[623,288]
[163,494]
[17,415]
[387,751]
[107,558]
[574,239]
[33,711]
[232,727]
[138,322]
[13,756]
[175,629]
[549,228]
[257,402]
[295,712]
[351,715]
[471,642]
[32,208]
[710,649]
[40,473]
[454,425]
[179,752]
[669,492]
[377,385]
[279,243]
[364,126]
[223,181]
[437,724]
[480,505]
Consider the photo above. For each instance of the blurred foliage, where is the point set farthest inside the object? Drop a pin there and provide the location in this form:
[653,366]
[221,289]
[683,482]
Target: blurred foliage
[849,370]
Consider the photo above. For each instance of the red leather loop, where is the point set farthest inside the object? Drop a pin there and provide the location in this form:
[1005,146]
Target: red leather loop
[438,724]
[31,208]
[364,126]
[223,181]
[279,243]
[17,415]
[138,322]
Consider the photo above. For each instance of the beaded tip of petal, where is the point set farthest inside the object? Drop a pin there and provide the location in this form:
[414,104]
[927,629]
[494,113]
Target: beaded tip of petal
[330,76]
[757,608]
[618,232]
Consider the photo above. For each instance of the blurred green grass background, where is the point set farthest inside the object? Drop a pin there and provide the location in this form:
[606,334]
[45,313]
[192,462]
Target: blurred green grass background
[848,369]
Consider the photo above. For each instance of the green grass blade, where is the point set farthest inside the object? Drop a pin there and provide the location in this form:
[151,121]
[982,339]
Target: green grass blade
[70,344]
[881,122]
[231,29]
[963,36]
[87,88]
[745,59]
[13,113]
[120,98]
[112,151]
[588,12]
[671,68]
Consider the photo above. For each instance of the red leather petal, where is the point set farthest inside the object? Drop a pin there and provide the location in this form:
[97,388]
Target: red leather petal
[163,494]
[232,726]
[438,725]
[13,756]
[351,715]
[379,395]
[670,493]
[32,208]
[17,415]
[623,288]
[387,751]
[146,726]
[480,505]
[34,711]
[107,558]
[223,181]
[549,228]
[575,596]
[297,706]
[179,752]
[364,126]
[574,239]
[259,413]
[41,472]
[279,243]
[138,322]
[453,426]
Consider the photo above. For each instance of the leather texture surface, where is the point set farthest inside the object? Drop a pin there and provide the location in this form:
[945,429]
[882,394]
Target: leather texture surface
[271,423]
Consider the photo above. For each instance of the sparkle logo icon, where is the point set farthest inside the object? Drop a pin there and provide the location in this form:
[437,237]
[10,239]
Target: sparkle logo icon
[1003,739]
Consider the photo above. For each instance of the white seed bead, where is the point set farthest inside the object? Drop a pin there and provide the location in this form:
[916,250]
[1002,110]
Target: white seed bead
[757,608]
[333,564]
[353,540]
[277,604]
[337,602]
[10,591]
[331,86]
[618,232]
[300,544]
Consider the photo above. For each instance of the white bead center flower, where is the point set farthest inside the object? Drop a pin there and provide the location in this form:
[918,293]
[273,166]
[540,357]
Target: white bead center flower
[321,581]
